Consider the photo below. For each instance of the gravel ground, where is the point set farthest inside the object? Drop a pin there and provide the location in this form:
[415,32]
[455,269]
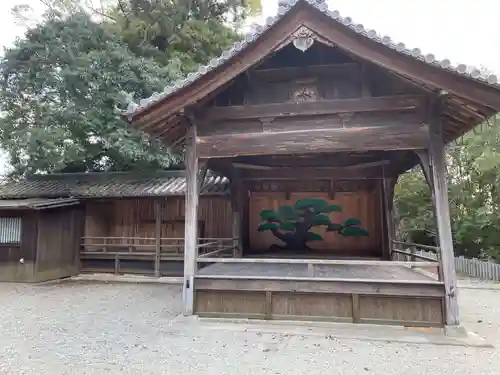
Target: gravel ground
[105,328]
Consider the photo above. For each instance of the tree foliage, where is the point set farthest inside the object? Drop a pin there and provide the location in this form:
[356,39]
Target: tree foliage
[64,81]
[474,193]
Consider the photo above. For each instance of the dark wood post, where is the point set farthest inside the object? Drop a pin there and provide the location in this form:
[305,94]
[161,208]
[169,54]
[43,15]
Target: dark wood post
[425,164]
[388,199]
[237,207]
[437,165]
[157,211]
[384,228]
[191,222]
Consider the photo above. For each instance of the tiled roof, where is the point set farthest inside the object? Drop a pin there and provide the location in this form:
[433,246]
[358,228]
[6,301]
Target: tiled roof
[109,185]
[284,7]
[36,203]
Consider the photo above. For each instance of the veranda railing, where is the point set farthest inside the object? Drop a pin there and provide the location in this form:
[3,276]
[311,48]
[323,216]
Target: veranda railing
[122,249]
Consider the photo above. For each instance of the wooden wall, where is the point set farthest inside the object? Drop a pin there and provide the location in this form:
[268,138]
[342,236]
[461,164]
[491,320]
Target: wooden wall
[136,217]
[50,244]
[58,246]
[387,302]
[364,205]
[11,269]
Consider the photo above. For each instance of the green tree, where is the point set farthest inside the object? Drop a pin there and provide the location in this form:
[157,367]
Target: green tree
[188,32]
[64,81]
[473,164]
[61,87]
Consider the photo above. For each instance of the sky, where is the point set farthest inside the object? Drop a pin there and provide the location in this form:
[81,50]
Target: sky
[462,31]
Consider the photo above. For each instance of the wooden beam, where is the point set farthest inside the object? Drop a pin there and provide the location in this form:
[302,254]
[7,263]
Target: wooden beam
[314,174]
[202,174]
[371,263]
[191,224]
[320,285]
[384,103]
[410,136]
[349,69]
[409,118]
[440,188]
[424,158]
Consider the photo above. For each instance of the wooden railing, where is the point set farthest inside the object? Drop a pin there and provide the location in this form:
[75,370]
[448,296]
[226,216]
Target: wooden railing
[142,249]
[476,268]
[412,252]
[215,247]
[132,245]
[132,249]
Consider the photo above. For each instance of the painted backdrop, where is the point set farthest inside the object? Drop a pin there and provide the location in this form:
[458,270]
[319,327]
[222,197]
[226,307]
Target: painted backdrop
[350,224]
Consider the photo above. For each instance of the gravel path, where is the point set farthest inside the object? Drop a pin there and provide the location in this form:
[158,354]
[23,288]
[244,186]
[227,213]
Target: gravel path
[97,328]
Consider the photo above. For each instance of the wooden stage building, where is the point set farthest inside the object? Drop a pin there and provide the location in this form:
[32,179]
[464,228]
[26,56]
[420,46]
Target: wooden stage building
[306,124]
[313,118]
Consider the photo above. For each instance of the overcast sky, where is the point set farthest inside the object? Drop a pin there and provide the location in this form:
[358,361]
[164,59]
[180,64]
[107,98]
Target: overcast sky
[462,31]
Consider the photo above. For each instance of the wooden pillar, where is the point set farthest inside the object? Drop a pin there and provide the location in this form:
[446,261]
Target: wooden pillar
[384,229]
[425,164]
[388,185]
[191,221]
[245,216]
[437,164]
[237,209]
[157,211]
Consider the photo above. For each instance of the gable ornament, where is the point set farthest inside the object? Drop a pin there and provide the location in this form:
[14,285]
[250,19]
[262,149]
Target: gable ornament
[303,38]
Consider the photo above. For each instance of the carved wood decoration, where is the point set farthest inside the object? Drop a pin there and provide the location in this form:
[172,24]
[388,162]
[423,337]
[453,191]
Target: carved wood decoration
[303,38]
[305,94]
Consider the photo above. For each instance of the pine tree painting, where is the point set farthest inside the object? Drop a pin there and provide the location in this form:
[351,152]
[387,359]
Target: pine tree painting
[293,224]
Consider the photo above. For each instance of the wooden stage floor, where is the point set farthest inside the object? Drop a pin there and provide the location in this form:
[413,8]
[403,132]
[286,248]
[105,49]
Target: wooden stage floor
[320,271]
[378,293]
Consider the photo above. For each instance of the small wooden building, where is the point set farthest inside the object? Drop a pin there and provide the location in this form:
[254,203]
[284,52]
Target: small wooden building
[39,239]
[130,223]
[313,118]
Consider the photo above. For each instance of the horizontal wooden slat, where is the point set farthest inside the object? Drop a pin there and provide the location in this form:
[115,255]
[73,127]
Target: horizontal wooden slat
[417,256]
[409,118]
[349,69]
[425,247]
[411,136]
[376,263]
[316,174]
[154,239]
[129,256]
[385,103]
[341,286]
